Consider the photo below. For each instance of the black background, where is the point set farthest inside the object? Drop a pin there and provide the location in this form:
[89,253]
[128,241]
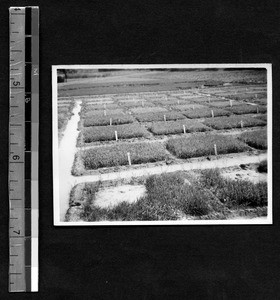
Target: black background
[155,262]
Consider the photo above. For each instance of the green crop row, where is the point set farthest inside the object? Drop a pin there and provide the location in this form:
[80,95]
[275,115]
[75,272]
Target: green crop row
[195,146]
[256,139]
[244,96]
[182,107]
[180,126]
[115,119]
[101,133]
[142,110]
[153,117]
[233,122]
[247,109]
[205,113]
[116,155]
[106,112]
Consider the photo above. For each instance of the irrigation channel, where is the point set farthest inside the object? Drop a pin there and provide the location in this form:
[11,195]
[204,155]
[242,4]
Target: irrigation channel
[67,150]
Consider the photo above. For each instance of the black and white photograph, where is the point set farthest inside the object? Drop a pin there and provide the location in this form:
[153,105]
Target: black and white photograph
[162,144]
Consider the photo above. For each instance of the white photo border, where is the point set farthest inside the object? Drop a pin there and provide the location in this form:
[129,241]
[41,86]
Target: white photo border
[56,203]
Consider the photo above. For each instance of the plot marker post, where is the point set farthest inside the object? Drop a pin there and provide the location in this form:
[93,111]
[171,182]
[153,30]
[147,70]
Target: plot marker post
[129,159]
[116,135]
[230,103]
[164,117]
[110,121]
[241,124]
[212,113]
[215,149]
[184,128]
[105,113]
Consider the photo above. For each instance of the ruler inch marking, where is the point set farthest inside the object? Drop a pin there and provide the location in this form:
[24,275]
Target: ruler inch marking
[24,60]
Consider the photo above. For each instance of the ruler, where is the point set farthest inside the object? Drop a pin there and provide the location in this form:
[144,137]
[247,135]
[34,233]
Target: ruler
[23,149]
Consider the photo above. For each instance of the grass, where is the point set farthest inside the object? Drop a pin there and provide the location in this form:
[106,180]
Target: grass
[116,119]
[262,117]
[170,101]
[235,192]
[247,109]
[195,146]
[137,104]
[116,155]
[174,127]
[262,167]
[183,107]
[94,113]
[64,114]
[233,122]
[205,113]
[247,96]
[142,110]
[91,106]
[223,104]
[168,198]
[101,133]
[151,117]
[256,139]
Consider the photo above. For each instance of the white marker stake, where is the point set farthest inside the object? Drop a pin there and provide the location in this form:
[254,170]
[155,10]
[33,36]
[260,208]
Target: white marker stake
[215,149]
[241,124]
[105,113]
[256,95]
[212,113]
[128,157]
[110,121]
[116,135]
[230,103]
[184,128]
[164,117]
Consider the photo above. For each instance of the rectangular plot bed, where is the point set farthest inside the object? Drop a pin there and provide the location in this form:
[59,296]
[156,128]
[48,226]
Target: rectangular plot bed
[107,112]
[172,127]
[148,109]
[151,117]
[256,138]
[244,96]
[115,119]
[93,106]
[187,147]
[182,107]
[170,101]
[137,104]
[116,155]
[233,122]
[224,103]
[205,113]
[101,133]
[247,109]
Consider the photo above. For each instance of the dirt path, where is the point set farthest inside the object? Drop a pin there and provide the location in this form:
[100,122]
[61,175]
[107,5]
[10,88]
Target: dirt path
[67,151]
[220,163]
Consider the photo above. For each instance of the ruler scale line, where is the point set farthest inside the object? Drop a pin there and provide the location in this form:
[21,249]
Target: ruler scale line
[23,159]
